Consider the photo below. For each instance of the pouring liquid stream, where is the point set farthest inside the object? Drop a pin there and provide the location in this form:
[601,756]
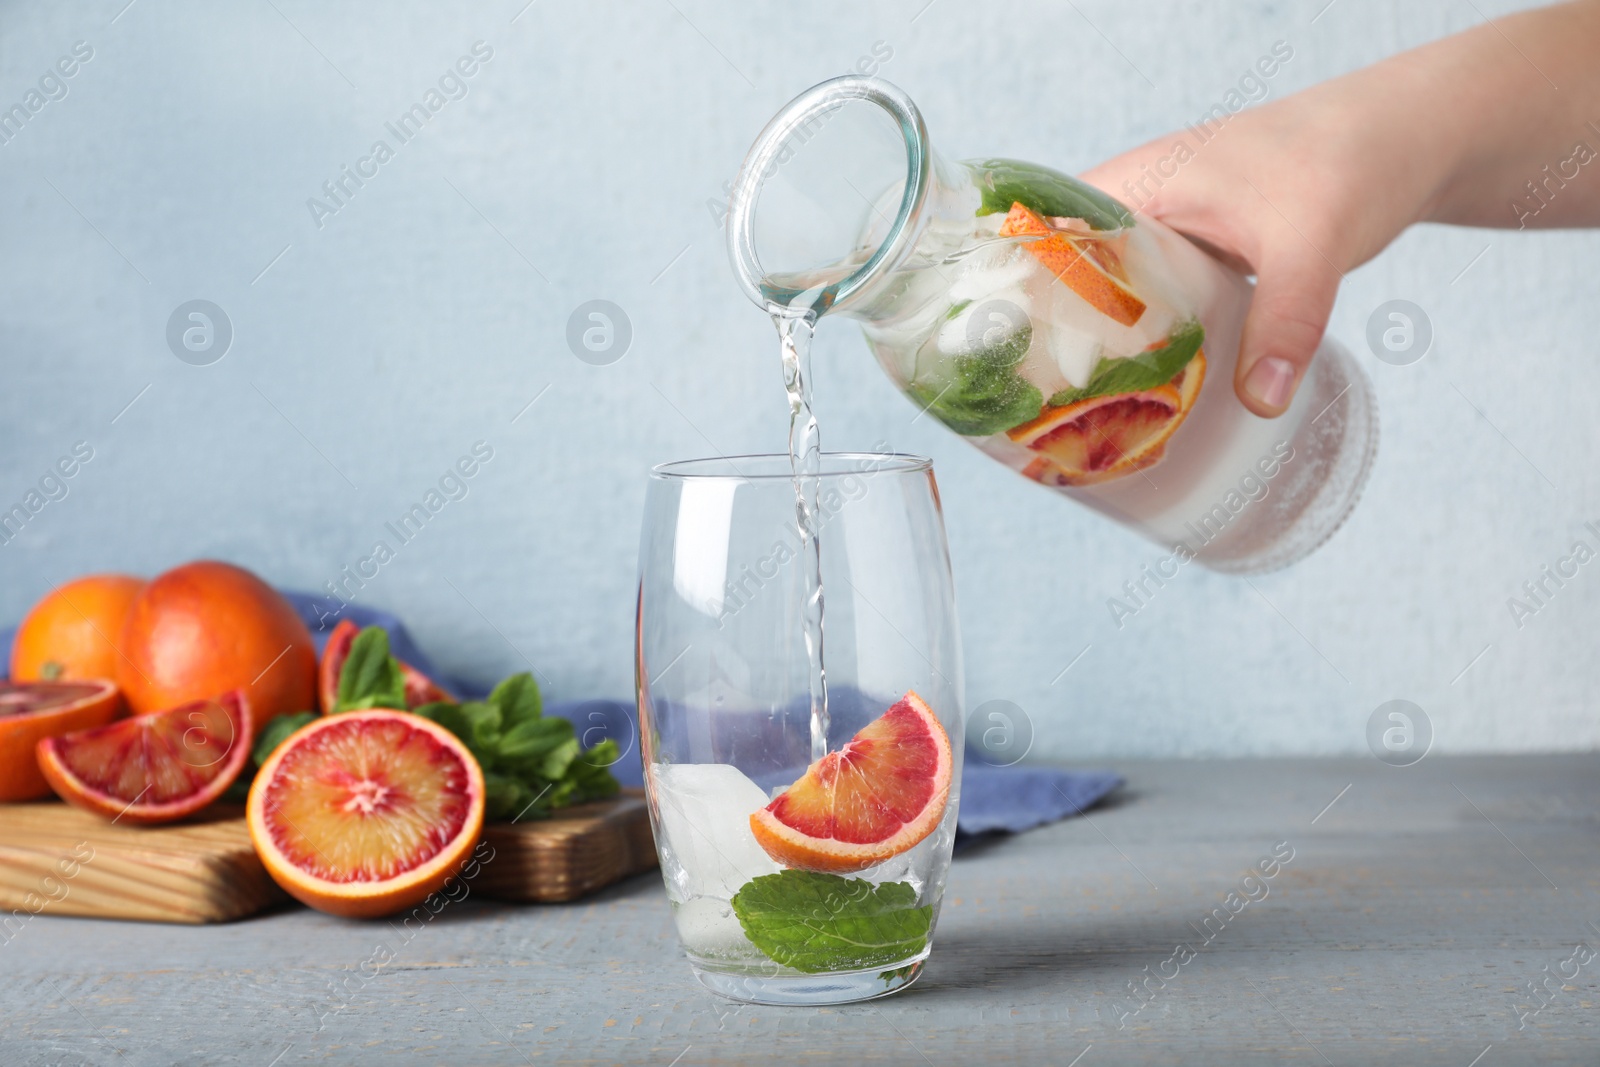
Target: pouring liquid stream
[796,327]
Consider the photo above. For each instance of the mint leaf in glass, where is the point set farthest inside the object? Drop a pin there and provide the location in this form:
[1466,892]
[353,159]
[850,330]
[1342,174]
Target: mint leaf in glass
[1147,370]
[824,922]
[1003,182]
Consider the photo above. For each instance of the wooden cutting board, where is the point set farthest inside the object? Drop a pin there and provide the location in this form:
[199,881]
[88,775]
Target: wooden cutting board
[57,860]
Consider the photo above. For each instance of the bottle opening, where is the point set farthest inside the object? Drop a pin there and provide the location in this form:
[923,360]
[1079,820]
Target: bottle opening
[827,199]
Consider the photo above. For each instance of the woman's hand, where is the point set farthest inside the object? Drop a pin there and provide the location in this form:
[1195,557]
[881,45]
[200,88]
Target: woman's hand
[1304,189]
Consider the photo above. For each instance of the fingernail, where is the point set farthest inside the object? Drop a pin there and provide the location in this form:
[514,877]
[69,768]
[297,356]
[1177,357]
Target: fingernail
[1270,381]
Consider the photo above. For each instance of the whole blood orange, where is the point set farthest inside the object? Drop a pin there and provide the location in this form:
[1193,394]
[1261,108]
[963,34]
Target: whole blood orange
[72,632]
[152,768]
[420,689]
[207,627]
[876,797]
[33,711]
[366,813]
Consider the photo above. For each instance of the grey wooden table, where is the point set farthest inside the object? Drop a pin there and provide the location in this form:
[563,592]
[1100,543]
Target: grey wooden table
[1420,908]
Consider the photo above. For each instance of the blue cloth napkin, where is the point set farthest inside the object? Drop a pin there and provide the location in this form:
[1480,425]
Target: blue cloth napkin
[993,799]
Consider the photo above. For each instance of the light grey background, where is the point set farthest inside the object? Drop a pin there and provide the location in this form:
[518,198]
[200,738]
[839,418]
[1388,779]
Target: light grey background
[370,353]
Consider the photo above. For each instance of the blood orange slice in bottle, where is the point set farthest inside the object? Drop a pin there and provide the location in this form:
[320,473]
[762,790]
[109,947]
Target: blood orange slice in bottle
[33,711]
[873,799]
[1105,437]
[366,813]
[1077,264]
[152,768]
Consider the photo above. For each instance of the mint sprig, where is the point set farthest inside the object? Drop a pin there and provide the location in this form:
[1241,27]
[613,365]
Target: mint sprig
[1003,182]
[824,922]
[980,393]
[531,764]
[371,677]
[1146,370]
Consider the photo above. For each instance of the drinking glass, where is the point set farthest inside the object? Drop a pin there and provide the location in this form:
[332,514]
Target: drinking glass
[723,680]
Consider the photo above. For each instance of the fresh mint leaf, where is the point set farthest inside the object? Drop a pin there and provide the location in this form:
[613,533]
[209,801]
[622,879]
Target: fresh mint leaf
[592,771]
[371,677]
[823,922]
[1003,182]
[1144,371]
[534,740]
[980,393]
[532,765]
[518,699]
[560,759]
[504,797]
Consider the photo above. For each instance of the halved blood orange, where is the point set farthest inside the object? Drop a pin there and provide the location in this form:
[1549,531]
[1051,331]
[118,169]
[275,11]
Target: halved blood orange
[1083,271]
[873,799]
[156,767]
[420,689]
[33,711]
[1105,437]
[366,813]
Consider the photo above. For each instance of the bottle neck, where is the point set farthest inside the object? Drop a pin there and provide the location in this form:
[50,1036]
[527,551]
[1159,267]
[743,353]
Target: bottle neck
[895,222]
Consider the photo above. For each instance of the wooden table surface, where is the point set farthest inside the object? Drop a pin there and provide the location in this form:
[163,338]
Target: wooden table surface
[1419,906]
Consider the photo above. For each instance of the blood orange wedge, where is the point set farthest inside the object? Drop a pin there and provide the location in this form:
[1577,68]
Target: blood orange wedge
[366,813]
[1105,437]
[156,767]
[876,797]
[1067,259]
[420,689]
[33,711]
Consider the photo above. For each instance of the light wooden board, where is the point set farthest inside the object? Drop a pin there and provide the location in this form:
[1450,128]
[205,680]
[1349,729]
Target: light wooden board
[57,860]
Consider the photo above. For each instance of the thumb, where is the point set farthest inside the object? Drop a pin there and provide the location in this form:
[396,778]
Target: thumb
[1294,295]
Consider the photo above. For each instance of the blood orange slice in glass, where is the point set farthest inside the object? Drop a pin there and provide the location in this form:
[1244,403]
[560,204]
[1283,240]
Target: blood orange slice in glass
[152,768]
[366,813]
[33,711]
[876,797]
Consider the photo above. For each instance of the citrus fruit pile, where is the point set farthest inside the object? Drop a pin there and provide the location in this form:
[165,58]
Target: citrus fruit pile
[878,796]
[202,656]
[373,782]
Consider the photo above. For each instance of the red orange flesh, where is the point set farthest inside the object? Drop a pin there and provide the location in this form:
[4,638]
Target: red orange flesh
[33,711]
[366,813]
[152,768]
[1105,437]
[877,796]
